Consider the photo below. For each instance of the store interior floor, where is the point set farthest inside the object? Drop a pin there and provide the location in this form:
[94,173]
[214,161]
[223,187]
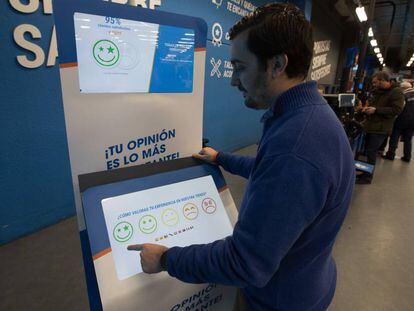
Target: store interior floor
[374,252]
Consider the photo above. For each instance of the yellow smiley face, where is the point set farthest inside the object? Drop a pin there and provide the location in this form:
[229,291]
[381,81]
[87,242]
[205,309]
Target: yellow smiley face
[169,217]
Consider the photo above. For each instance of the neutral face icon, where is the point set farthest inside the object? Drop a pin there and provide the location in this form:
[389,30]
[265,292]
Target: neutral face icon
[123,231]
[169,217]
[106,53]
[190,211]
[209,206]
[147,224]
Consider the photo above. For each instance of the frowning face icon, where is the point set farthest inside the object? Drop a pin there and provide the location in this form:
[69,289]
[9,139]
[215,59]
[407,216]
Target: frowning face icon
[190,211]
[209,206]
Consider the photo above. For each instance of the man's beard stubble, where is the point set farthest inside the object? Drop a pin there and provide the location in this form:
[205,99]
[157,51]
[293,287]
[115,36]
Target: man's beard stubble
[253,104]
[250,103]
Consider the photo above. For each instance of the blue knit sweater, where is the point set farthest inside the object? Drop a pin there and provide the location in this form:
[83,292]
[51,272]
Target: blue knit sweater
[298,191]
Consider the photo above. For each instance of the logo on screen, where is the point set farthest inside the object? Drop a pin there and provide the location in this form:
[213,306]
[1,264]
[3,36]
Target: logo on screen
[105,53]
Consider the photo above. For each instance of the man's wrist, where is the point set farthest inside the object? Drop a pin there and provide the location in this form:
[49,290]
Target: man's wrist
[216,157]
[163,261]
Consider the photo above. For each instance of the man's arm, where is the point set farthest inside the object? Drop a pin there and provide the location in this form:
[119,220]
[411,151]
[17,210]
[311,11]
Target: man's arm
[395,105]
[284,197]
[235,164]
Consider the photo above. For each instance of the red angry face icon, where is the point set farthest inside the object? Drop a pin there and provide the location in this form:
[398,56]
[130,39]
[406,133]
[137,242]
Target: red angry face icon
[209,206]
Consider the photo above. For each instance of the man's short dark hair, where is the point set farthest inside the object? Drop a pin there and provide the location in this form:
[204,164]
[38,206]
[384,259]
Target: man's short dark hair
[381,76]
[279,28]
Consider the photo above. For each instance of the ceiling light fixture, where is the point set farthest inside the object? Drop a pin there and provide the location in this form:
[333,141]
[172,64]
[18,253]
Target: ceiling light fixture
[373,43]
[377,50]
[370,32]
[360,12]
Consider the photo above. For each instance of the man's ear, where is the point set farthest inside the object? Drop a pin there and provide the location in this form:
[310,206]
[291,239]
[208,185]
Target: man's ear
[279,64]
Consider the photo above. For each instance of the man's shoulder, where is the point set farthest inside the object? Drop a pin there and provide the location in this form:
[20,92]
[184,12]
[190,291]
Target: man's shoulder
[306,134]
[409,92]
[396,90]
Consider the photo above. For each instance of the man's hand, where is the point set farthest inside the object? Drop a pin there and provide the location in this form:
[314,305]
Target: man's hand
[207,154]
[359,106]
[150,256]
[369,110]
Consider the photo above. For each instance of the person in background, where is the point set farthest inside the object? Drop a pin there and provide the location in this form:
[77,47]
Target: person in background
[403,126]
[299,184]
[321,89]
[394,83]
[386,104]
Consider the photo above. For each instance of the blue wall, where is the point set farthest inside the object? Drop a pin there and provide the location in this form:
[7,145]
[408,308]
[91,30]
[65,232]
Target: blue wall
[35,181]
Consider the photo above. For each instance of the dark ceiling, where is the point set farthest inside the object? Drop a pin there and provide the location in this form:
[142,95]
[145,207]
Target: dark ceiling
[393,27]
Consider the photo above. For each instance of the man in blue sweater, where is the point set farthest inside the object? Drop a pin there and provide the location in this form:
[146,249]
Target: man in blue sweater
[299,184]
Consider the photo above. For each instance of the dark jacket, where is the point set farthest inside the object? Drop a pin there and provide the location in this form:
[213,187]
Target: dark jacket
[389,104]
[406,119]
[298,191]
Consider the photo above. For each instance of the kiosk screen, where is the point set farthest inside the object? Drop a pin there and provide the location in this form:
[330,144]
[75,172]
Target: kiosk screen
[127,56]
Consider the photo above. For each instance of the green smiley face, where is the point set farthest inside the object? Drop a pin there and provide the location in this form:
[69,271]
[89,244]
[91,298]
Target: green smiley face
[147,224]
[106,53]
[123,231]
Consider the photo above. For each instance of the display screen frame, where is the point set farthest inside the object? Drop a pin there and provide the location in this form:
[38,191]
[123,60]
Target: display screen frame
[343,103]
[118,55]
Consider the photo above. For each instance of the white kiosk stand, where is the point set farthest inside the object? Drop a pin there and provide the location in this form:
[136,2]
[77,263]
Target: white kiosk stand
[133,86]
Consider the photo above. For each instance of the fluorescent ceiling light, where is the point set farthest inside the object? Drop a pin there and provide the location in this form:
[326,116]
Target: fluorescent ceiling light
[370,32]
[360,12]
[379,55]
[381,59]
[374,43]
[377,50]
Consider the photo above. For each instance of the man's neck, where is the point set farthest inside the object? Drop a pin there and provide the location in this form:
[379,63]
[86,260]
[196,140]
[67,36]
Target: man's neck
[284,86]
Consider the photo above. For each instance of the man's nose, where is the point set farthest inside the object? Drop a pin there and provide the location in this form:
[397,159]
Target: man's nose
[234,80]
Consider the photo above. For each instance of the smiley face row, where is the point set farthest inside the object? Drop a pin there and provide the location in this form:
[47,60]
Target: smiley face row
[148,223]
